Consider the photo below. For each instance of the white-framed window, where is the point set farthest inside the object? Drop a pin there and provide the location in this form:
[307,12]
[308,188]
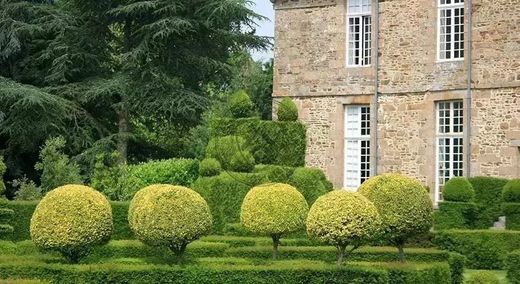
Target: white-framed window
[450,30]
[450,155]
[357,146]
[359,32]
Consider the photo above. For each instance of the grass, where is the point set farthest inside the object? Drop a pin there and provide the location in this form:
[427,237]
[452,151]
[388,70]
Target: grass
[501,274]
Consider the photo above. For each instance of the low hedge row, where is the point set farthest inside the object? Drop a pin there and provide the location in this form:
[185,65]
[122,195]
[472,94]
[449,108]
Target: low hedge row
[513,267]
[512,213]
[485,249]
[23,211]
[375,254]
[243,241]
[229,271]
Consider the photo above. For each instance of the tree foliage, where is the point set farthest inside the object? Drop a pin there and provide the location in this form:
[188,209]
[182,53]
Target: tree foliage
[113,71]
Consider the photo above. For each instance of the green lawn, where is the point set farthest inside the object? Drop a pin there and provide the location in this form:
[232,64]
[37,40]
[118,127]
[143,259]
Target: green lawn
[501,274]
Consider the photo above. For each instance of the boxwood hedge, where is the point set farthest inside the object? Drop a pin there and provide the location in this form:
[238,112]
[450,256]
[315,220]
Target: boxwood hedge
[513,267]
[226,270]
[485,249]
[488,197]
[455,215]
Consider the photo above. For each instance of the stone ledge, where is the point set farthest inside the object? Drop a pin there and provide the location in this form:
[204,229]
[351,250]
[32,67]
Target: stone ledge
[515,143]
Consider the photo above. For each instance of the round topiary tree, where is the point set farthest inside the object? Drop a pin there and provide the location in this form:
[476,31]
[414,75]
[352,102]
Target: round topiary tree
[170,216]
[483,277]
[274,209]
[458,189]
[240,104]
[511,191]
[71,219]
[341,218]
[403,203]
[287,110]
[242,161]
[209,167]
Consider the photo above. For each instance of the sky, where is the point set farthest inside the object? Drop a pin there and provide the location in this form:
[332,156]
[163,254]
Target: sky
[265,28]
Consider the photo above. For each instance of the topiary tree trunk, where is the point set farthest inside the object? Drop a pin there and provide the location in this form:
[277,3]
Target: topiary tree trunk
[276,242]
[178,250]
[341,254]
[400,247]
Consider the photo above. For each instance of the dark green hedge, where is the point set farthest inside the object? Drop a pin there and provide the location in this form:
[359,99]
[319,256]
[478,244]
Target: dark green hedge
[485,249]
[23,211]
[488,197]
[226,270]
[373,254]
[512,213]
[225,193]
[513,267]
[455,215]
[271,142]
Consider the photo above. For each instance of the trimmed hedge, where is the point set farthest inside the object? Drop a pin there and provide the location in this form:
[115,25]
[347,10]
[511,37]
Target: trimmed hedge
[488,196]
[513,267]
[511,191]
[23,211]
[512,213]
[485,249]
[455,215]
[225,193]
[272,142]
[228,270]
[458,189]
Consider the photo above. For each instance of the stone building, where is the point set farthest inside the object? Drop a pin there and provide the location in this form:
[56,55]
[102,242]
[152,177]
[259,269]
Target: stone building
[428,88]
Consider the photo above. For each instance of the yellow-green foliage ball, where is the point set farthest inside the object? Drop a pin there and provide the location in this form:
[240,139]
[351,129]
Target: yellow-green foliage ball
[70,219]
[403,204]
[342,218]
[274,209]
[169,215]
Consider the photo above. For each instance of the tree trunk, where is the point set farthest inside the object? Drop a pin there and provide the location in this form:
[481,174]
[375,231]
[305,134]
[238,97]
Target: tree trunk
[276,242]
[179,252]
[122,139]
[400,247]
[341,254]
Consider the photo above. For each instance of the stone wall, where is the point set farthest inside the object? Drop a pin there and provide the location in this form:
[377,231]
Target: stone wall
[496,124]
[310,66]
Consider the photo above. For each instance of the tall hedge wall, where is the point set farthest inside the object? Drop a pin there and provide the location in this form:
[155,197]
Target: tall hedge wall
[488,197]
[272,142]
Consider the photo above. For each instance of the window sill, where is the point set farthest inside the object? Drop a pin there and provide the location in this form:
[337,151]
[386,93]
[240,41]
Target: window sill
[358,66]
[458,60]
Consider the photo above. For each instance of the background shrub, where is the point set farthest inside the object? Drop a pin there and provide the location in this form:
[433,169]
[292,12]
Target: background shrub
[274,209]
[488,197]
[56,168]
[275,173]
[225,193]
[484,249]
[458,189]
[27,189]
[311,182]
[70,219]
[342,218]
[455,215]
[122,182]
[271,142]
[3,168]
[240,104]
[231,151]
[169,216]
[287,110]
[209,167]
[242,162]
[511,191]
[483,277]
[512,213]
[6,216]
[404,205]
